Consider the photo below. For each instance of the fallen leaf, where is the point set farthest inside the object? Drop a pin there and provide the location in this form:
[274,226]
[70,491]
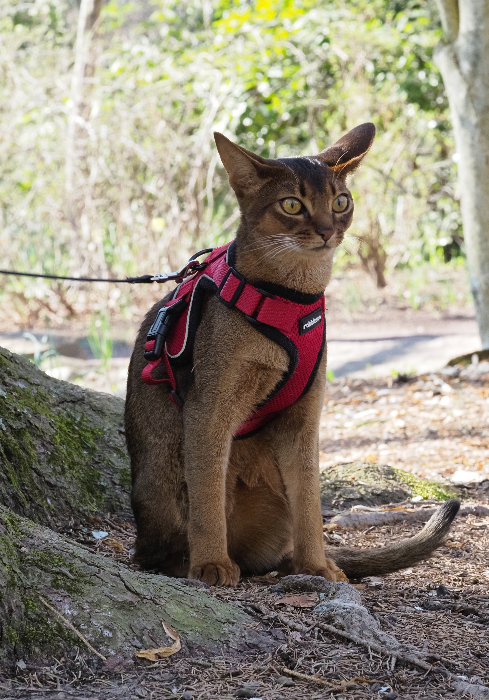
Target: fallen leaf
[359,586]
[331,526]
[162,652]
[115,544]
[307,600]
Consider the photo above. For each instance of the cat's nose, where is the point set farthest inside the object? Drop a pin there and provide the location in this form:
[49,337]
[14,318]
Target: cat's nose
[325,232]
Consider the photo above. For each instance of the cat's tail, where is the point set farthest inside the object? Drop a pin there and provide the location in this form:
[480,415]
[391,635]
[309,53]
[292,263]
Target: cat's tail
[357,563]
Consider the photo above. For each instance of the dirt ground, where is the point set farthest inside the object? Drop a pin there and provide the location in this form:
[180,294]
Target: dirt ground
[434,425]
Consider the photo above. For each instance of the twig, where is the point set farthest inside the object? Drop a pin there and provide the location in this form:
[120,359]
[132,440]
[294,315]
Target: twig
[408,658]
[272,615]
[117,527]
[73,629]
[344,685]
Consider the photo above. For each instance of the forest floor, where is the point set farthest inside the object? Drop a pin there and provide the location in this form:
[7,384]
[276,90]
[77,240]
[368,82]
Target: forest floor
[433,425]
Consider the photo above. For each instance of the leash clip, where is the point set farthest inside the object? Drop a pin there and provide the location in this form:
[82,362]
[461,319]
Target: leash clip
[190,268]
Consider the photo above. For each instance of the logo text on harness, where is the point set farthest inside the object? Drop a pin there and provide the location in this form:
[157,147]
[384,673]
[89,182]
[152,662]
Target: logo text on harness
[307,323]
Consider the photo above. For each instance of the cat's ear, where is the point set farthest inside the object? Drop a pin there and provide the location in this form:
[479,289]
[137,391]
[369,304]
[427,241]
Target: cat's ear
[246,170]
[344,156]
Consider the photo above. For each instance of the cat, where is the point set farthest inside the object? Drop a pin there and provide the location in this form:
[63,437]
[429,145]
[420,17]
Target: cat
[210,506]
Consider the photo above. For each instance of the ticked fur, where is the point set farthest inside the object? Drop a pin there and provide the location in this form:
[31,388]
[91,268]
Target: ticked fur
[210,507]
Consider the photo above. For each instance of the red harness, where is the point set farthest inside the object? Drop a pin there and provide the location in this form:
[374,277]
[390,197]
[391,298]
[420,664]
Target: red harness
[293,320]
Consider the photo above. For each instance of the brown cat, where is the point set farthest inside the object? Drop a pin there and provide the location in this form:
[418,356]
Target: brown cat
[207,505]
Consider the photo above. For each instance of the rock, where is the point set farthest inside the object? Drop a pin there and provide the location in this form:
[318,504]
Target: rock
[442,591]
[246,692]
[303,583]
[285,681]
[370,484]
[478,692]
[346,612]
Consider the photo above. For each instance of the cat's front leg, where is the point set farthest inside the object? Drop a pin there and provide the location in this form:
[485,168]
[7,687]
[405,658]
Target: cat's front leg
[217,404]
[208,436]
[301,478]
[296,440]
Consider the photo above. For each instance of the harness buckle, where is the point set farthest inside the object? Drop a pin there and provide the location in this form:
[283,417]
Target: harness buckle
[236,292]
[161,327]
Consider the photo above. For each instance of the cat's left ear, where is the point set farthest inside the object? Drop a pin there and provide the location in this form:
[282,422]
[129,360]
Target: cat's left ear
[344,156]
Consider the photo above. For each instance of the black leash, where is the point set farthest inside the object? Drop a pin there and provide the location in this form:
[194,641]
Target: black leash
[188,269]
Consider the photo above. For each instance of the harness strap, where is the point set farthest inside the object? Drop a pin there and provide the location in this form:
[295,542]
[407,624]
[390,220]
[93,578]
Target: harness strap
[233,290]
[148,378]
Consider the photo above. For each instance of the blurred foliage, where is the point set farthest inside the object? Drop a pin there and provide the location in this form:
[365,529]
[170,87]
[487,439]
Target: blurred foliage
[280,77]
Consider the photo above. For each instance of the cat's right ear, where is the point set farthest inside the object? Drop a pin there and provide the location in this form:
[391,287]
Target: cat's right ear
[247,171]
[344,156]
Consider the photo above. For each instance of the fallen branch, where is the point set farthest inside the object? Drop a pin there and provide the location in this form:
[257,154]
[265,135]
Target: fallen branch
[72,628]
[334,687]
[360,520]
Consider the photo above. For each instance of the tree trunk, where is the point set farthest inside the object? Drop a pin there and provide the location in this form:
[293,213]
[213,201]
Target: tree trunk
[117,610]
[62,448]
[463,60]
[63,456]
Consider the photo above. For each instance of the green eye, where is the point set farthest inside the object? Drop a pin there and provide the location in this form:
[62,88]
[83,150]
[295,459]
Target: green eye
[341,203]
[291,205]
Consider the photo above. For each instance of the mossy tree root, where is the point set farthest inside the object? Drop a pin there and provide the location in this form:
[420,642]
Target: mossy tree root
[117,610]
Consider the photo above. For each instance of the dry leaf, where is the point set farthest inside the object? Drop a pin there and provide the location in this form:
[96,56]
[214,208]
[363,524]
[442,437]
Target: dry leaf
[162,652]
[359,586]
[115,544]
[331,526]
[307,600]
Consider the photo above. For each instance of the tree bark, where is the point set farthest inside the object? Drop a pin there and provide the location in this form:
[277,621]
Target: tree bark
[463,59]
[62,448]
[118,611]
[63,456]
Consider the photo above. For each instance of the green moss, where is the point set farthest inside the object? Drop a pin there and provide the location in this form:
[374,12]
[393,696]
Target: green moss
[65,576]
[39,628]
[30,419]
[76,447]
[424,488]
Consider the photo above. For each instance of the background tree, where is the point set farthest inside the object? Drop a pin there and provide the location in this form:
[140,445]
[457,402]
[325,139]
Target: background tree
[463,58]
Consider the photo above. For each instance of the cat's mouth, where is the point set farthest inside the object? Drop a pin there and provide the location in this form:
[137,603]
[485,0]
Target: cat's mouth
[330,243]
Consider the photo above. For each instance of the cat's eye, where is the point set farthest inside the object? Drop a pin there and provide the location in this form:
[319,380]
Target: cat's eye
[291,205]
[341,203]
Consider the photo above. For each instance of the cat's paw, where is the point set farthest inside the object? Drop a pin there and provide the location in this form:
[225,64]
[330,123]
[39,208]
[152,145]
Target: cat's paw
[223,573]
[327,569]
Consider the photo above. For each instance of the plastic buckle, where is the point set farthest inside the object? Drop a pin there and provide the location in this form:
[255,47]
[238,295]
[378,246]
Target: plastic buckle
[238,291]
[161,327]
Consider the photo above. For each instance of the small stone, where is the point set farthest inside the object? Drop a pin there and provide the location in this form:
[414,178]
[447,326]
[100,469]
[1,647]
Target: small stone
[389,696]
[246,693]
[442,591]
[285,681]
[187,695]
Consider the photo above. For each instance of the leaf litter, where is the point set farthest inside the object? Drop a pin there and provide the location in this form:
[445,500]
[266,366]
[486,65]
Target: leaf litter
[440,607]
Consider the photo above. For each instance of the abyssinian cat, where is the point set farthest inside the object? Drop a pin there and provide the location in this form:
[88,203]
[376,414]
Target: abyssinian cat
[208,505]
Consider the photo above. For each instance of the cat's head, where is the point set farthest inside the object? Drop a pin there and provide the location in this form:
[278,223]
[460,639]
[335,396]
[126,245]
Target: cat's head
[298,205]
